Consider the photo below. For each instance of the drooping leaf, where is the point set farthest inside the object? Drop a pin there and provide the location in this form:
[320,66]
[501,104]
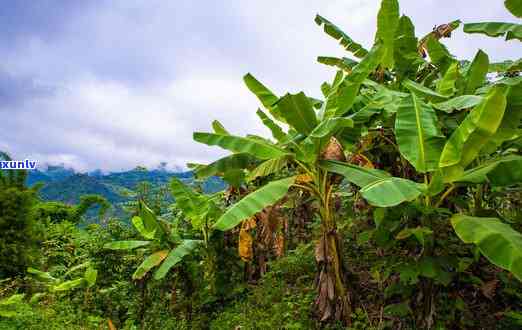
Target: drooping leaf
[175,256]
[496,29]
[298,112]
[125,245]
[391,191]
[360,176]
[458,103]
[356,49]
[268,167]
[387,23]
[277,131]
[253,203]
[267,98]
[467,140]
[418,135]
[222,165]
[514,6]
[219,128]
[150,262]
[497,241]
[476,75]
[255,147]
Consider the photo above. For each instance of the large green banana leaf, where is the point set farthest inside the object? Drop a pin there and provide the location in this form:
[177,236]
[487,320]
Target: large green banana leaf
[510,127]
[407,58]
[356,49]
[254,203]
[125,245]
[458,103]
[357,175]
[418,135]
[265,95]
[175,256]
[468,139]
[150,262]
[514,6]
[496,29]
[234,161]
[344,96]
[268,167]
[391,191]
[298,112]
[497,241]
[255,147]
[476,75]
[387,23]
[277,131]
[384,99]
[378,187]
[499,172]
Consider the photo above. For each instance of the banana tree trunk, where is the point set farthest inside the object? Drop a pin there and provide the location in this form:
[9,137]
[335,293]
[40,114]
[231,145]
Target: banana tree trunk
[333,298]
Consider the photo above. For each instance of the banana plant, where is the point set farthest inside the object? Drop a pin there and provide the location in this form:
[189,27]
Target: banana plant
[455,132]
[159,239]
[62,284]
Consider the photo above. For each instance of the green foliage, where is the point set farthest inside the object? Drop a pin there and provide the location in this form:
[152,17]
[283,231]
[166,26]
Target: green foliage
[254,203]
[496,240]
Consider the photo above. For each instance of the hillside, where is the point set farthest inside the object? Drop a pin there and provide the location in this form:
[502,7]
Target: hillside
[66,185]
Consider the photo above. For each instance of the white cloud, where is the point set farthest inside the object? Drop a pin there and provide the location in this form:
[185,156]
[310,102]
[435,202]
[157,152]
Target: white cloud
[133,80]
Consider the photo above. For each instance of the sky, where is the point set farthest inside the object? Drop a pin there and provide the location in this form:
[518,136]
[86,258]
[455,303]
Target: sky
[115,84]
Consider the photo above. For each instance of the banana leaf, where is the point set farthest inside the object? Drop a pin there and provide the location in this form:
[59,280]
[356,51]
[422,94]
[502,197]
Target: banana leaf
[497,241]
[256,147]
[253,203]
[418,135]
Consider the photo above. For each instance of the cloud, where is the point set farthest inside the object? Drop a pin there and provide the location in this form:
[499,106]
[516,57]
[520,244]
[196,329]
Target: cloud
[115,84]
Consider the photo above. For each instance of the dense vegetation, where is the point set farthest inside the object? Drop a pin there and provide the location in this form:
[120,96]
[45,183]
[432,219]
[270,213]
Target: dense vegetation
[392,202]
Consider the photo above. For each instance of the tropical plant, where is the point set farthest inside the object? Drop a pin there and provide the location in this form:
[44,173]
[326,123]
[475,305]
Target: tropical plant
[160,239]
[411,112]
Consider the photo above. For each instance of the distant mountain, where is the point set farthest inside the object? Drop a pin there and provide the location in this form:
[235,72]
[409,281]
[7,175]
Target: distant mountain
[70,189]
[51,174]
[66,185]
